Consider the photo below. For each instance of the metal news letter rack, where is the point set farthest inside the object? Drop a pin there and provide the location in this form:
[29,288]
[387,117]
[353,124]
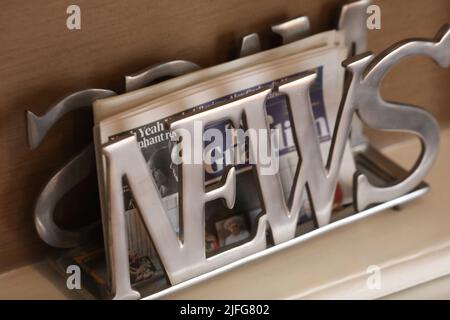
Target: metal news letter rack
[369,161]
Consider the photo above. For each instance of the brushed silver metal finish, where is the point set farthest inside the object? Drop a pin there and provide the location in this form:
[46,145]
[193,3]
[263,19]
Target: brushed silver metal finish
[250,45]
[314,176]
[352,21]
[76,170]
[182,259]
[38,126]
[145,77]
[388,167]
[293,30]
[368,73]
[291,243]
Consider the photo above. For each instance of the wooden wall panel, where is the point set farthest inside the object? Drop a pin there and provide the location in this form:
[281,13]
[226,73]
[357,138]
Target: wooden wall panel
[41,61]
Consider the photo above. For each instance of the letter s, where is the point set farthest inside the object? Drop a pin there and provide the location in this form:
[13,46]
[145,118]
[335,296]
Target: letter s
[383,115]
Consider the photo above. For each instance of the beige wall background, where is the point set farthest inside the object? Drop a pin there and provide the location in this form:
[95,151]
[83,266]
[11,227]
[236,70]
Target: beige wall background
[41,61]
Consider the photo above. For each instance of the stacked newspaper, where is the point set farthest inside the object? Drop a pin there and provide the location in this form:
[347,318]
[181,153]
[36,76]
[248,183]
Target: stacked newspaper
[146,111]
